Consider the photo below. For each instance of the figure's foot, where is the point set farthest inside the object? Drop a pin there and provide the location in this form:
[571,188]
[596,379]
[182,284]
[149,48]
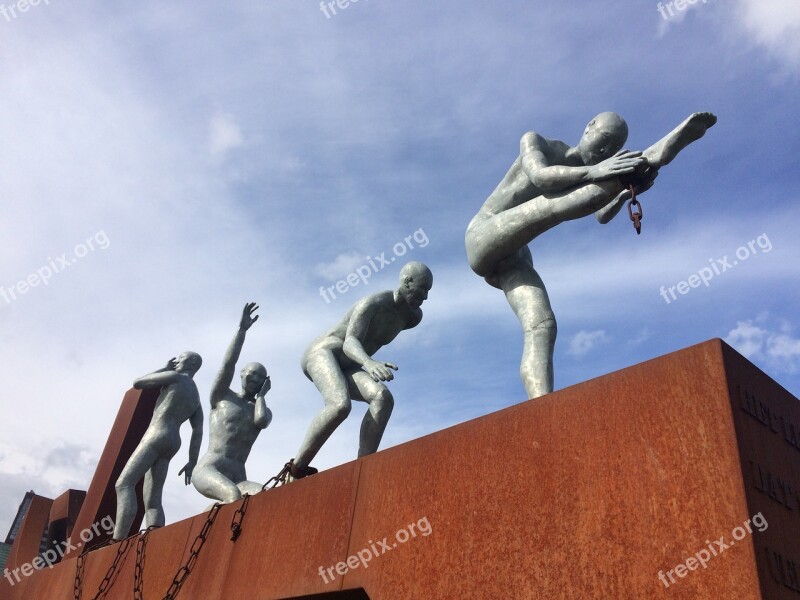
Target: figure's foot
[692,129]
[696,126]
[298,472]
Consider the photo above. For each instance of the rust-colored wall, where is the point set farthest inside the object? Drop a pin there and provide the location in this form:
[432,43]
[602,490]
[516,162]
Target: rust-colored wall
[132,421]
[588,492]
[26,545]
[767,421]
[63,515]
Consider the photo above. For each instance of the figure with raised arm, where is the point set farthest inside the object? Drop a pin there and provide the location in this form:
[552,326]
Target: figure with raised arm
[235,422]
[341,363]
[549,183]
[177,403]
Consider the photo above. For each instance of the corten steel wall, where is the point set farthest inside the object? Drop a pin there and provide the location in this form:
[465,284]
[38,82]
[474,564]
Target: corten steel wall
[588,492]
[29,538]
[131,422]
[63,515]
[768,430]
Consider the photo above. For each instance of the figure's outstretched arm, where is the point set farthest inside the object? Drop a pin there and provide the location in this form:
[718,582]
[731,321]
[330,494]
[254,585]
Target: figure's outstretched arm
[160,378]
[224,378]
[556,178]
[667,148]
[532,152]
[353,343]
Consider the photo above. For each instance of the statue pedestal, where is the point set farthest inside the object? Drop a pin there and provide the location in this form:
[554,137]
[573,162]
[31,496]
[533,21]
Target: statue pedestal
[593,491]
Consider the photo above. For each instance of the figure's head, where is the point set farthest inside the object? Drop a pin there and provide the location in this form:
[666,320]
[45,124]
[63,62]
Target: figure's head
[188,363]
[416,281]
[605,135]
[253,377]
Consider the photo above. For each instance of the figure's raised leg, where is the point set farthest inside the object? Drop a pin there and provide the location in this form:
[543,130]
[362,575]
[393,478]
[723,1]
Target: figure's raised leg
[491,239]
[212,484]
[324,370]
[153,491]
[528,298]
[666,149]
[138,465]
[381,404]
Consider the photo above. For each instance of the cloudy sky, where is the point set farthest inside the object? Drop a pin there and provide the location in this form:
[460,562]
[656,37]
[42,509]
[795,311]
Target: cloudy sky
[185,158]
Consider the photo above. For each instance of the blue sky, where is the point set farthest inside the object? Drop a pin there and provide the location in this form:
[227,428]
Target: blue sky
[220,154]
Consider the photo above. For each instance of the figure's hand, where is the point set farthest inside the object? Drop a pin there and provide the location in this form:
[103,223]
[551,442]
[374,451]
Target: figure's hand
[187,469]
[171,364]
[646,182]
[623,162]
[380,370]
[266,387]
[247,316]
[642,180]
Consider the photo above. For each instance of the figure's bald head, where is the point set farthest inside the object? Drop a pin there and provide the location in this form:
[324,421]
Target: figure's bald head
[416,280]
[189,362]
[605,135]
[253,377]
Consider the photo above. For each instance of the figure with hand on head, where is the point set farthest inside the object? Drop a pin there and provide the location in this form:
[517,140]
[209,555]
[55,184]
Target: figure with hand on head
[177,403]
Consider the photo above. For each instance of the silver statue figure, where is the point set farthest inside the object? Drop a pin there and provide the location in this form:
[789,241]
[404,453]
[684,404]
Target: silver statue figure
[340,363]
[549,183]
[235,422]
[177,403]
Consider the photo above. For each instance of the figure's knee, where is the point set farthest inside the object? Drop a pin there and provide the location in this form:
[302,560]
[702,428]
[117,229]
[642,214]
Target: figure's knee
[383,400]
[339,408]
[544,326]
[124,483]
[477,242]
[231,493]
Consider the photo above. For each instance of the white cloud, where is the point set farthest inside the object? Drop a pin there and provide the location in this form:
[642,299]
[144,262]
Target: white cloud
[224,135]
[778,349]
[774,24]
[584,341]
[341,266]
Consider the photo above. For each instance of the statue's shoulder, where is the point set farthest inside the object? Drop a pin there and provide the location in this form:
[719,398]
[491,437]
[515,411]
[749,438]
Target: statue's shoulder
[379,299]
[416,318]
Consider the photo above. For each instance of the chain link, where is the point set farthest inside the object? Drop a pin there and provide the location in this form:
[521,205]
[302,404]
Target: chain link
[106,583]
[80,567]
[197,545]
[78,586]
[238,517]
[138,569]
[636,217]
[282,478]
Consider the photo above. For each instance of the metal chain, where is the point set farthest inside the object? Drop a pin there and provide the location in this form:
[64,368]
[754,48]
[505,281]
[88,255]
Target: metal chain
[238,517]
[197,545]
[78,586]
[79,567]
[138,569]
[281,478]
[106,583]
[636,217]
